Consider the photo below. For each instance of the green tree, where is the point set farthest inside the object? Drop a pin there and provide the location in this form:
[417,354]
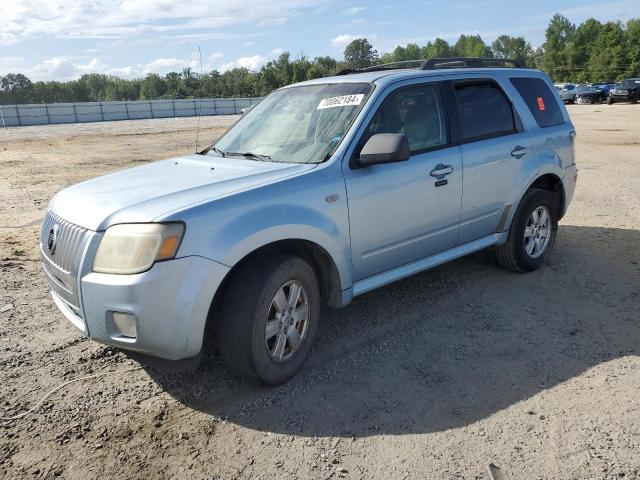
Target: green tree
[153,86]
[515,48]
[632,47]
[120,89]
[96,84]
[608,59]
[471,46]
[581,47]
[16,88]
[556,59]
[360,54]
[438,49]
[590,51]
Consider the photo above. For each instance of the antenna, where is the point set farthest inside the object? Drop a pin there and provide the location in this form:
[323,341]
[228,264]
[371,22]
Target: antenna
[199,103]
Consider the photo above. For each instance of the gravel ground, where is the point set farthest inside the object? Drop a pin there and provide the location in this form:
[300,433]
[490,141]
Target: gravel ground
[433,377]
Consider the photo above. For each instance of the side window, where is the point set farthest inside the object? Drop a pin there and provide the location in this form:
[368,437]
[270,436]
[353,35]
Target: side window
[417,112]
[484,111]
[541,102]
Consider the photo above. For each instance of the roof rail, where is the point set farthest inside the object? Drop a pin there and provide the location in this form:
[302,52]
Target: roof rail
[440,63]
[469,62]
[382,66]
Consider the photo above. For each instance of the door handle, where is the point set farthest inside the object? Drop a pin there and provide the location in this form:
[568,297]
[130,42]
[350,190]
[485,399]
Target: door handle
[441,171]
[519,151]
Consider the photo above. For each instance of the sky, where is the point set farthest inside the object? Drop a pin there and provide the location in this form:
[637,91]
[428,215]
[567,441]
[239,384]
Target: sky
[63,39]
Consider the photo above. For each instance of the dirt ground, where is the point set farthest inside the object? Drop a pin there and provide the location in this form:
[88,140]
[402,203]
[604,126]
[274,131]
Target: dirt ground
[433,377]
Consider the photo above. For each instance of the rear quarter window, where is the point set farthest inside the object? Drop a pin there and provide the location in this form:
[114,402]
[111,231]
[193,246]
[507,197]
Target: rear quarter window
[541,101]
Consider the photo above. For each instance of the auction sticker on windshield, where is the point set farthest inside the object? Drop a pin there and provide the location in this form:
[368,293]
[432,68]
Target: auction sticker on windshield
[343,101]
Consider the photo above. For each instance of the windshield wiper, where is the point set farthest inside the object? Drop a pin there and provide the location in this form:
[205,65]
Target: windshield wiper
[255,156]
[218,151]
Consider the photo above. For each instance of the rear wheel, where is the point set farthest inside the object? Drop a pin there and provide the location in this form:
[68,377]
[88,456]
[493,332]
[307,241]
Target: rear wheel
[532,233]
[269,318]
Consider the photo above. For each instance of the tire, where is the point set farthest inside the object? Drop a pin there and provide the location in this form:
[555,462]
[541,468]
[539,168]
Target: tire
[247,306]
[513,254]
[609,101]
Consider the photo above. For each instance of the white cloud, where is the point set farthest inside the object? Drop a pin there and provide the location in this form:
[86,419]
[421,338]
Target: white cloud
[342,40]
[114,19]
[71,68]
[352,10]
[250,63]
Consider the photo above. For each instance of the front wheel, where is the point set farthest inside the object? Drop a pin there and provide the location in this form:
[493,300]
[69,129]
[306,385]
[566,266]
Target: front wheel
[270,317]
[533,232]
[609,101]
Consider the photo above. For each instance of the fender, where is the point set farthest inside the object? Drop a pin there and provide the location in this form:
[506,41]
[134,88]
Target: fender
[228,229]
[263,226]
[545,169]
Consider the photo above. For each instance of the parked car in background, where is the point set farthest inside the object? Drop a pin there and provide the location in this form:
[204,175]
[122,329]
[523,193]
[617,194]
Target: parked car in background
[604,86]
[589,95]
[567,91]
[626,91]
[324,191]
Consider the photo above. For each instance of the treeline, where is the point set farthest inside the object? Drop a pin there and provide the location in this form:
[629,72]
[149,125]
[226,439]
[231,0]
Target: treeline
[592,51]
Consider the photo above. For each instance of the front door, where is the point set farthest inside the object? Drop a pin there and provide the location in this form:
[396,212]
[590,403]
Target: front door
[402,212]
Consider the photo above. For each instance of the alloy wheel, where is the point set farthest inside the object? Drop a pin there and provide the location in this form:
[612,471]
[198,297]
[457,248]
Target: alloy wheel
[287,321]
[537,232]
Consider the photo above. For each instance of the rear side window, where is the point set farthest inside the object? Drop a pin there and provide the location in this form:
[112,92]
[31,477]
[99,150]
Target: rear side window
[541,101]
[484,111]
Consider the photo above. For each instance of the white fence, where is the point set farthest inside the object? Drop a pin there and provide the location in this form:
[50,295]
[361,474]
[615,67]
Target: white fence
[50,113]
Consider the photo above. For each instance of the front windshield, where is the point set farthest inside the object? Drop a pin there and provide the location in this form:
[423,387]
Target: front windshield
[586,89]
[295,125]
[631,82]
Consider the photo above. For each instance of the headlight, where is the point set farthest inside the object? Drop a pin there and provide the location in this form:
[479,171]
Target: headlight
[134,248]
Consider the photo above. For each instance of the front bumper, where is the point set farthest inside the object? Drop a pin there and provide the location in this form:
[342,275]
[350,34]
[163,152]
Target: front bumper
[626,97]
[170,303]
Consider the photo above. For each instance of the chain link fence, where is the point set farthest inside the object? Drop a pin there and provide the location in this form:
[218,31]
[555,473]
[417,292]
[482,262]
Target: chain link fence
[53,113]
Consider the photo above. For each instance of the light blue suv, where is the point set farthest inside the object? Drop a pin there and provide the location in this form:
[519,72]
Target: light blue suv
[324,191]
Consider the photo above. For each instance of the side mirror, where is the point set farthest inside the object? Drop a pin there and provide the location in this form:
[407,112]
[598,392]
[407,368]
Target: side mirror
[385,148]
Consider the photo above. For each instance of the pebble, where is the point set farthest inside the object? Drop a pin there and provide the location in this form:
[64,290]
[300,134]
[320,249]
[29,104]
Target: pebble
[6,308]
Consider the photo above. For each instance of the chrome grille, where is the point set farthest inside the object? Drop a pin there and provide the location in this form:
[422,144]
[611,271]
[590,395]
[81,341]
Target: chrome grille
[71,240]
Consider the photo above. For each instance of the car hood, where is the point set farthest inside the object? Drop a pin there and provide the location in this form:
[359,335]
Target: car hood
[144,193]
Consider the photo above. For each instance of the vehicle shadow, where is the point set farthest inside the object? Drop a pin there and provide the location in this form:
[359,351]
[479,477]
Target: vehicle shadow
[445,348]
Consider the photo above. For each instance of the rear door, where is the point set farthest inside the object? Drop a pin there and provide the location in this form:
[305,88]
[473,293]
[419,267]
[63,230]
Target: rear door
[494,147]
